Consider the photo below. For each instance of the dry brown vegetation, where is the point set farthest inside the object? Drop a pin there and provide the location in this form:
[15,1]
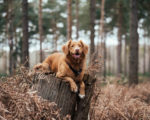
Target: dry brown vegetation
[18,101]
[117,102]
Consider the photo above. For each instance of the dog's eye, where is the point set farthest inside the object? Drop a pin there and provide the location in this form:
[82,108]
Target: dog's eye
[37,68]
[72,46]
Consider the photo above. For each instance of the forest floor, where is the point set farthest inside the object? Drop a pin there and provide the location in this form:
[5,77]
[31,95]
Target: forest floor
[120,102]
[111,101]
[19,100]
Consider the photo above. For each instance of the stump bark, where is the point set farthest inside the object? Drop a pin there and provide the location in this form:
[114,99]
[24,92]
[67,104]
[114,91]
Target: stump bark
[58,91]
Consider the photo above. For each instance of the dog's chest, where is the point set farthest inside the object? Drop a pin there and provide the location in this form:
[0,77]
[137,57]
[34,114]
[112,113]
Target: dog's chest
[75,76]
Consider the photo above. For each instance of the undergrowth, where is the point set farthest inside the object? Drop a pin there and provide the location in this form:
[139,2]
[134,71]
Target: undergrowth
[118,102]
[19,101]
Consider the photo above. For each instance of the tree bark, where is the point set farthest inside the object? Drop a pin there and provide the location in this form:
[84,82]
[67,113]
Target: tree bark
[105,57]
[55,90]
[109,60]
[133,57]
[9,30]
[101,33]
[144,57]
[92,24]
[15,49]
[69,19]
[77,19]
[149,58]
[119,50]
[25,42]
[125,57]
[40,22]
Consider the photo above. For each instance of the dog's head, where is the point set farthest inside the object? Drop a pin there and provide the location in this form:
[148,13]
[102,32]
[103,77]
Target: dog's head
[75,48]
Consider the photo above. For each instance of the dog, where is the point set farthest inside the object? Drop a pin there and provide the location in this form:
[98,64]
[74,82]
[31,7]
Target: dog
[69,65]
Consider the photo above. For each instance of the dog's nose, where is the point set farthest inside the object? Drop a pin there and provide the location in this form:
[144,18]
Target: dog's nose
[77,49]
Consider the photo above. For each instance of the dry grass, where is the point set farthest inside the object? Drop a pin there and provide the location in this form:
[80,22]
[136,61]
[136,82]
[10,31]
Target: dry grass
[117,102]
[18,101]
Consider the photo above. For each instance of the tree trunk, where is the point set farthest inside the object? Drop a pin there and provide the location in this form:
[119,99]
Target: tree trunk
[9,30]
[92,24]
[144,56]
[119,50]
[109,60]
[105,55]
[149,58]
[69,19]
[125,57]
[77,19]
[101,33]
[133,58]
[40,29]
[15,49]
[55,90]
[25,43]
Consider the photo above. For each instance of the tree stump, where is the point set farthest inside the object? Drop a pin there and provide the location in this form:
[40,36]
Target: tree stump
[58,91]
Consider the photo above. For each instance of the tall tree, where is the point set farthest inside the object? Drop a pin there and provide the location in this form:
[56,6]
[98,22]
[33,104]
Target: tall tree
[25,42]
[149,59]
[92,24]
[119,50]
[40,29]
[9,29]
[133,57]
[69,19]
[101,32]
[77,19]
[144,56]
[109,60]
[125,56]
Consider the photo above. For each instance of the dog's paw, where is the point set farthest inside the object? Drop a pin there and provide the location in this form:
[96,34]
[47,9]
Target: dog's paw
[74,88]
[81,96]
[37,67]
[46,73]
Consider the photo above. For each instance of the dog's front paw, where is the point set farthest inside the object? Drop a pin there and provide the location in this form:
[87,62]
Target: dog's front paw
[81,96]
[74,88]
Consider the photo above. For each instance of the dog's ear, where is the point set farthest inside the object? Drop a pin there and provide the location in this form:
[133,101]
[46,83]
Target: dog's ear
[85,47]
[65,48]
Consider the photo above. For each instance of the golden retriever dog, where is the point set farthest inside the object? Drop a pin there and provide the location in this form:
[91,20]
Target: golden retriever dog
[69,65]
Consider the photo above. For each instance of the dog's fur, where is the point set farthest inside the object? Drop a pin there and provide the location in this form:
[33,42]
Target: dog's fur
[73,57]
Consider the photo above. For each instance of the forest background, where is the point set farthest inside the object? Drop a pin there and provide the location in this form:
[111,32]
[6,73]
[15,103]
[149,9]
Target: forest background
[117,32]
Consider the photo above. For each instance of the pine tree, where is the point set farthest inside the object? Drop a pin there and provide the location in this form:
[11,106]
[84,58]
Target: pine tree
[92,24]
[144,56]
[77,19]
[69,19]
[103,40]
[25,42]
[119,50]
[40,29]
[133,57]
[9,30]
